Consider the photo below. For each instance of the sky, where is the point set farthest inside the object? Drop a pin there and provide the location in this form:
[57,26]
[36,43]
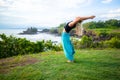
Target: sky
[51,13]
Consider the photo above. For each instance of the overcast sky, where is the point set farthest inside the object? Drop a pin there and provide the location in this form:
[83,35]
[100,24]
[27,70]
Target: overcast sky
[53,12]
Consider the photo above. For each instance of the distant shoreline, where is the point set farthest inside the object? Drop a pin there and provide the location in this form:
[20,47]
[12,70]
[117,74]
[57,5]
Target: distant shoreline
[33,38]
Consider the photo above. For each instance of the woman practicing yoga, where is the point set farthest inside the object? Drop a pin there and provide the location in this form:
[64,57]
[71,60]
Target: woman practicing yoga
[66,42]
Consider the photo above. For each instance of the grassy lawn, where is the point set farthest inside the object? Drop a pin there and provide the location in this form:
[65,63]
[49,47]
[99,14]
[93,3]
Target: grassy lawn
[89,65]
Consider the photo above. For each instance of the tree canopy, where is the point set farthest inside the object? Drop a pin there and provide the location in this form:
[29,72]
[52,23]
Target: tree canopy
[111,23]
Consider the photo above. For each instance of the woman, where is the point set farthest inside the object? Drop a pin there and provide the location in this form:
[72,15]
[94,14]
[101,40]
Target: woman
[66,43]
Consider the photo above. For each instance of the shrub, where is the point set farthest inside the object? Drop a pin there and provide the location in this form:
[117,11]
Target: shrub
[12,46]
[86,42]
[76,43]
[113,43]
[39,46]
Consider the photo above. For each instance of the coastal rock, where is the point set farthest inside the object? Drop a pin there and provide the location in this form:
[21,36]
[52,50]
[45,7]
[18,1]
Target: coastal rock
[30,31]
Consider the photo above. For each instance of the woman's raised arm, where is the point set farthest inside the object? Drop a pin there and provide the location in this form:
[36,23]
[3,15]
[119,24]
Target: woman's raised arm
[79,19]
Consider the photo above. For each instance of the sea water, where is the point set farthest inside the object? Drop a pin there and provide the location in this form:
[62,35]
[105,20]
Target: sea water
[33,38]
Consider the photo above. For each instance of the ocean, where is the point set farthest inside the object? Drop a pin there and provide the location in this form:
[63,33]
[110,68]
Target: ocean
[33,38]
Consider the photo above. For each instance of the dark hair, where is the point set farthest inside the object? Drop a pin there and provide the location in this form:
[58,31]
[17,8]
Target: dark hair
[79,28]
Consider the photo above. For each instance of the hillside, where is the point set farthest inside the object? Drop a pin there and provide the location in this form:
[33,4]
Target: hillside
[89,65]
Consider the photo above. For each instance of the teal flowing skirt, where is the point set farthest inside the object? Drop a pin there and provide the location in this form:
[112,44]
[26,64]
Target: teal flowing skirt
[67,46]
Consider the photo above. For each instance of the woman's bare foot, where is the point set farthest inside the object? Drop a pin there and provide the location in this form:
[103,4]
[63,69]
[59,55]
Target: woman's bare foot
[69,61]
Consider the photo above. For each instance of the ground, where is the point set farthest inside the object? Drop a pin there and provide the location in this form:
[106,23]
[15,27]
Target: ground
[89,65]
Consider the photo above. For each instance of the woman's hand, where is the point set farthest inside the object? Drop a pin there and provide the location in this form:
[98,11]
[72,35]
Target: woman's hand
[91,17]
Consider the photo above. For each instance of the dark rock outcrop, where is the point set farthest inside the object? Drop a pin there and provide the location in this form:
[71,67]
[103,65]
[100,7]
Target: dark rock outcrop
[30,31]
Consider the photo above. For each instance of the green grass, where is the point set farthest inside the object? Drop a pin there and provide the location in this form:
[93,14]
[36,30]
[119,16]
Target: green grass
[108,30]
[89,65]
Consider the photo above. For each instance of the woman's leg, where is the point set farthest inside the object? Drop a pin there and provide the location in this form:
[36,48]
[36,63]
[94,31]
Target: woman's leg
[67,47]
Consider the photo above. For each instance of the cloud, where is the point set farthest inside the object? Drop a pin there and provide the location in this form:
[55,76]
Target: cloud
[112,14]
[2,2]
[6,3]
[115,11]
[44,12]
[106,1]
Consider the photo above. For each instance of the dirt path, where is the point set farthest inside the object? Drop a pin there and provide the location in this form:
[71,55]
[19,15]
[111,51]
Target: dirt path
[9,63]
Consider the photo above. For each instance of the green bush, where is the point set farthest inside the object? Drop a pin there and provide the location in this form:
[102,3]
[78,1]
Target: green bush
[49,45]
[113,43]
[86,42]
[12,46]
[39,46]
[76,43]
[115,34]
